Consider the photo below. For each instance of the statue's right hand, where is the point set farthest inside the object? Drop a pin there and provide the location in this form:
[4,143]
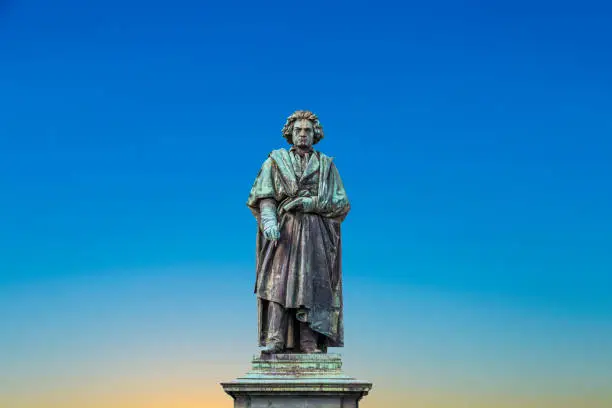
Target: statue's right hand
[272,233]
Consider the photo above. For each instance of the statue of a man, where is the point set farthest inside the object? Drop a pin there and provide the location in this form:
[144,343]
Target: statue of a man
[299,202]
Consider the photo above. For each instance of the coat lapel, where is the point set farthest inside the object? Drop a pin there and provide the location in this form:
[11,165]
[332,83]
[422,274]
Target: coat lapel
[311,167]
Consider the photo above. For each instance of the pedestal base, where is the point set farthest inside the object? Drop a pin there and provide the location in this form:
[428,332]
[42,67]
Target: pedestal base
[296,381]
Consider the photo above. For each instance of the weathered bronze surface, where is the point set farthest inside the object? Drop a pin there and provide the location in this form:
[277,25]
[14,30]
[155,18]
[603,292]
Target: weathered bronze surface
[299,202]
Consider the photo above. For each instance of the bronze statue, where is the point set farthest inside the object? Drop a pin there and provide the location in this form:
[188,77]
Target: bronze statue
[299,202]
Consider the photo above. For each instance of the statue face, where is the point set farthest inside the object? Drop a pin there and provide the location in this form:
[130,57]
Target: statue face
[303,133]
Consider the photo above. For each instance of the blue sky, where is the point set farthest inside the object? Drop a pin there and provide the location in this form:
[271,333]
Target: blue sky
[473,140]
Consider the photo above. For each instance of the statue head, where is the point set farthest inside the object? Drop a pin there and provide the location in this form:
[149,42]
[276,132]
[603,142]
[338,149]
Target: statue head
[303,129]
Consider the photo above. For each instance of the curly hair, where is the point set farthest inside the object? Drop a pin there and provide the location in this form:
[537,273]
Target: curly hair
[303,114]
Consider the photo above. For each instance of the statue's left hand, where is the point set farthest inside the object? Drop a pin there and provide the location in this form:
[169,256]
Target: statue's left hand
[304,204]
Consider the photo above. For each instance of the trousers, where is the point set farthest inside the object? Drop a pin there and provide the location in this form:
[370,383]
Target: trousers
[278,318]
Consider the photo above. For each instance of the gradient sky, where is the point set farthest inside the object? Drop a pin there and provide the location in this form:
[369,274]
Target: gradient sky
[474,141]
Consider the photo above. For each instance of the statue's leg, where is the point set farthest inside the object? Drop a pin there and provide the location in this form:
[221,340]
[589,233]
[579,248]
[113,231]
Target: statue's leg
[277,322]
[308,339]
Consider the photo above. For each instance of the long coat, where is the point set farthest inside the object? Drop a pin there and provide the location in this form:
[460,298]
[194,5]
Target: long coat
[302,271]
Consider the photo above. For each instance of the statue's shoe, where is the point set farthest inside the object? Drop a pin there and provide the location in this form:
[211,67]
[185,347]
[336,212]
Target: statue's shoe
[272,348]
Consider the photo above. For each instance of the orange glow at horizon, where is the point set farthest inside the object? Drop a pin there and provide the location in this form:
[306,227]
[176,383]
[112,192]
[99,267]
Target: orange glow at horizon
[187,393]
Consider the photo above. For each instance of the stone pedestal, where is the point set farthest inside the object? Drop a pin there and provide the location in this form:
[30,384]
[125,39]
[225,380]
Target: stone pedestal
[296,381]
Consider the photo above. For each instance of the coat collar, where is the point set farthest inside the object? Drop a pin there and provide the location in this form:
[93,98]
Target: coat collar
[317,161]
